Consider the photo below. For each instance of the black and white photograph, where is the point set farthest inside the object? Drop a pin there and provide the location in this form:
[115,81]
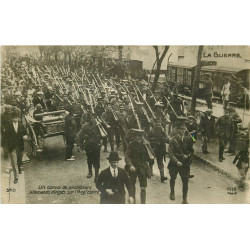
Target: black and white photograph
[123,124]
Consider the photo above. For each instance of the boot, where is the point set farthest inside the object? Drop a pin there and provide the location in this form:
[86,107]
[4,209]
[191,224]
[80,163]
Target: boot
[143,196]
[96,174]
[163,178]
[185,201]
[172,196]
[90,171]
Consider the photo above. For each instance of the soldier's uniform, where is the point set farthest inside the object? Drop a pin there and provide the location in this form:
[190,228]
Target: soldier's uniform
[137,158]
[89,134]
[111,119]
[158,139]
[222,127]
[180,153]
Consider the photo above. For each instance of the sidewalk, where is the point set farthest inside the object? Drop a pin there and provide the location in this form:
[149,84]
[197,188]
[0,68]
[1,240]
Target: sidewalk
[212,158]
[11,193]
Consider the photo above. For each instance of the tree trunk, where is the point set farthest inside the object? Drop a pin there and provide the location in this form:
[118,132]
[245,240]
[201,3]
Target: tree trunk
[120,48]
[159,60]
[56,56]
[196,80]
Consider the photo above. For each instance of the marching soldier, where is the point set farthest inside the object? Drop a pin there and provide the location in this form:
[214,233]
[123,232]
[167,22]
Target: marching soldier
[110,117]
[89,136]
[158,139]
[222,128]
[180,153]
[137,158]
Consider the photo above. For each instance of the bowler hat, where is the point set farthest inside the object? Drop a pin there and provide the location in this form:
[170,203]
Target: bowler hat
[113,156]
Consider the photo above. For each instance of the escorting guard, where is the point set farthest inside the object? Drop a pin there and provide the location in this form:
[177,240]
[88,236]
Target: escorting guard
[180,153]
[70,133]
[158,139]
[112,181]
[235,120]
[89,136]
[137,158]
[222,128]
[206,128]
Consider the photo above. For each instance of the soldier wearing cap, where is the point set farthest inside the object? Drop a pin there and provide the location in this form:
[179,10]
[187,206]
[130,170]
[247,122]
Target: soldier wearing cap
[39,99]
[180,153]
[89,136]
[206,128]
[222,129]
[110,117]
[14,134]
[234,121]
[112,181]
[158,139]
[137,157]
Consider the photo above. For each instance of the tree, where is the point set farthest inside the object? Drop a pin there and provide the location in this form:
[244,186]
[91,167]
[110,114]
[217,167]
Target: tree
[196,80]
[159,59]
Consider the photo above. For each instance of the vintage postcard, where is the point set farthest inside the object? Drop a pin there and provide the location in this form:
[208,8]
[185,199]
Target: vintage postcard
[125,124]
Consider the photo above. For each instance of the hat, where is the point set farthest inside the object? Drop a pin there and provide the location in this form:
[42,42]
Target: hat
[113,156]
[207,74]
[209,111]
[40,93]
[181,120]
[38,106]
[16,113]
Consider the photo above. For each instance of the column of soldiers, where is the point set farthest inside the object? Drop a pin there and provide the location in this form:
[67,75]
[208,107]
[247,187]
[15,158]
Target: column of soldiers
[114,114]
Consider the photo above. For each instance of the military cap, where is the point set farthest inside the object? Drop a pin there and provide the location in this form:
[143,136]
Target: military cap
[181,120]
[209,111]
[40,93]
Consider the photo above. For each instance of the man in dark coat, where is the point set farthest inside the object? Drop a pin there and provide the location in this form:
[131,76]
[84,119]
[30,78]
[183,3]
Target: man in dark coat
[206,127]
[111,182]
[180,153]
[158,139]
[222,128]
[14,134]
[70,133]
